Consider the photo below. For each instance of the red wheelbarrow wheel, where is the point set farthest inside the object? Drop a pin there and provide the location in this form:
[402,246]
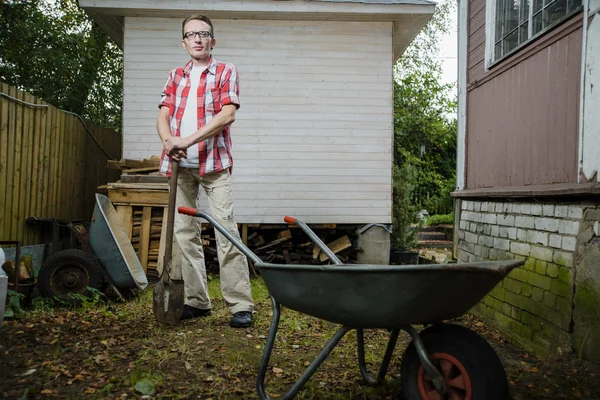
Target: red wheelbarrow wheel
[469,365]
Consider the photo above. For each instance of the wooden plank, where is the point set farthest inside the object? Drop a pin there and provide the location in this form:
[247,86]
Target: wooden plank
[144,169]
[26,167]
[161,246]
[315,252]
[139,197]
[15,231]
[336,246]
[4,153]
[287,234]
[45,164]
[145,237]
[139,186]
[144,179]
[126,215]
[35,164]
[245,234]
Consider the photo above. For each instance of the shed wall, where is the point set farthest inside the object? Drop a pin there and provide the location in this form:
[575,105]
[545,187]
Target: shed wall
[313,136]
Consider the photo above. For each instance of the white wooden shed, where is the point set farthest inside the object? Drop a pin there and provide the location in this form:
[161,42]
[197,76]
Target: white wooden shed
[313,137]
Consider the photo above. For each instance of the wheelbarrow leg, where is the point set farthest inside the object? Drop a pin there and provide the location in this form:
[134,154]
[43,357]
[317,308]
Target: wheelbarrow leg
[434,373]
[264,363]
[360,342]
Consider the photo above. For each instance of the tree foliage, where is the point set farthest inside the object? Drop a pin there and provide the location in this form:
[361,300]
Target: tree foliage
[424,131]
[53,50]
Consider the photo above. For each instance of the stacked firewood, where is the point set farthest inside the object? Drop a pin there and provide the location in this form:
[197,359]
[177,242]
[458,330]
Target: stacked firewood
[285,245]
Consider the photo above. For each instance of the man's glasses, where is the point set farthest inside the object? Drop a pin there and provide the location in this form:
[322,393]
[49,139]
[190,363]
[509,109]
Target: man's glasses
[201,35]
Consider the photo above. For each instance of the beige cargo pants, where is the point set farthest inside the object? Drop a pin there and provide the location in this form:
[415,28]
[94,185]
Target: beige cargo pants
[187,246]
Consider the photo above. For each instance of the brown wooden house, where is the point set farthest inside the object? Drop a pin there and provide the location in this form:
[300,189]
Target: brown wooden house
[528,157]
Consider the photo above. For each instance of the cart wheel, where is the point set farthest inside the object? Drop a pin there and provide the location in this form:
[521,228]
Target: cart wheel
[469,365]
[70,271]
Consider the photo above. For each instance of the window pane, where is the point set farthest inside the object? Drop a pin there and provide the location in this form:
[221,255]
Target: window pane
[537,5]
[555,11]
[511,42]
[523,33]
[573,5]
[537,23]
[525,11]
[499,19]
[498,51]
[511,20]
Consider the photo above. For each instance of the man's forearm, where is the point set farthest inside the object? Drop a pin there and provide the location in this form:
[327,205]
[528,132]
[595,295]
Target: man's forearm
[162,126]
[222,120]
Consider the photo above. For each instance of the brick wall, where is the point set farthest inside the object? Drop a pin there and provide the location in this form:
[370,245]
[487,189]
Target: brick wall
[533,303]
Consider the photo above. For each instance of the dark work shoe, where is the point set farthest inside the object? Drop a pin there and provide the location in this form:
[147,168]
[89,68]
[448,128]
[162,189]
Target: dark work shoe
[193,312]
[241,319]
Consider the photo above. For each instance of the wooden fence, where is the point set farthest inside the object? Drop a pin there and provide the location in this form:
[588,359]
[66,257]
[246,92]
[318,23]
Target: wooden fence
[50,165]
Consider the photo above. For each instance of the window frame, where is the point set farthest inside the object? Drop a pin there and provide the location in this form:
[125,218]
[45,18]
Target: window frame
[490,30]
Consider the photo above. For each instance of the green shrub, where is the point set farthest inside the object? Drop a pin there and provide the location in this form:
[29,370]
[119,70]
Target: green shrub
[440,219]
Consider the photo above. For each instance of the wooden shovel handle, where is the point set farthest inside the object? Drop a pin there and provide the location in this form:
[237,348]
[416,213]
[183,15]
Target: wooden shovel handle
[171,212]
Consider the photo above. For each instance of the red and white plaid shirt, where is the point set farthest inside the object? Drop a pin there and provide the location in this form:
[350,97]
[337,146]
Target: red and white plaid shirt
[218,86]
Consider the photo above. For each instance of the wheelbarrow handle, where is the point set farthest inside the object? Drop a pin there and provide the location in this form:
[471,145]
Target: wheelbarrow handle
[236,242]
[314,237]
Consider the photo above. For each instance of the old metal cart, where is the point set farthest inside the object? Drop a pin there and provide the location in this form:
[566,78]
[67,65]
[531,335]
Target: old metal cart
[443,361]
[106,257]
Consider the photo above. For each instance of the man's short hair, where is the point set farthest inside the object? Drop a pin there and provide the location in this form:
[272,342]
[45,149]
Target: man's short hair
[199,18]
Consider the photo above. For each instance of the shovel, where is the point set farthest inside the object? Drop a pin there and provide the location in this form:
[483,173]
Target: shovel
[168,299]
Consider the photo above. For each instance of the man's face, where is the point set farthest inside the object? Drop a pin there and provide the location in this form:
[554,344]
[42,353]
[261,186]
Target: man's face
[198,47]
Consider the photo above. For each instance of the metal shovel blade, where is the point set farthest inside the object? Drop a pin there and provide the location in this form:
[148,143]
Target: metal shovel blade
[168,300]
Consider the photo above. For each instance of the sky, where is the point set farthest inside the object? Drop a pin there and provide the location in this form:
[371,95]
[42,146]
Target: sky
[449,52]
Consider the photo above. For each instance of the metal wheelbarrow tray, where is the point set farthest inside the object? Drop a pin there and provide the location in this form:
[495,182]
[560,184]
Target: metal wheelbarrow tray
[111,244]
[444,361]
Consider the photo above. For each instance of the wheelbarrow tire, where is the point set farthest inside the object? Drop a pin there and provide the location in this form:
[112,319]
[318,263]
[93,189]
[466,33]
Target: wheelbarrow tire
[68,272]
[466,354]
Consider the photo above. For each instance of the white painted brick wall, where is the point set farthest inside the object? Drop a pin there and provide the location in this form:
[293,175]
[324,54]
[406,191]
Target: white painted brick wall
[512,233]
[569,243]
[522,249]
[471,237]
[575,212]
[524,222]
[501,244]
[489,219]
[568,227]
[536,209]
[555,241]
[561,211]
[503,232]
[541,253]
[546,224]
[495,231]
[506,220]
[548,210]
[537,237]
[522,235]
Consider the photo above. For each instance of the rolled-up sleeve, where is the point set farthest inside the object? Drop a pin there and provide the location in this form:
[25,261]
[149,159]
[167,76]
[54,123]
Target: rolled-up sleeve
[167,96]
[230,89]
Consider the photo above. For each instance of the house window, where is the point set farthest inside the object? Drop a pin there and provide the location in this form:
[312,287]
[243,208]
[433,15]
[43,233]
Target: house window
[518,21]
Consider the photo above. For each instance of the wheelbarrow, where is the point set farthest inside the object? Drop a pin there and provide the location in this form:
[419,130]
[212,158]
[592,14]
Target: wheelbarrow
[443,361]
[106,257]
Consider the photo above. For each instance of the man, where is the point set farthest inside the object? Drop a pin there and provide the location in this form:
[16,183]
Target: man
[197,107]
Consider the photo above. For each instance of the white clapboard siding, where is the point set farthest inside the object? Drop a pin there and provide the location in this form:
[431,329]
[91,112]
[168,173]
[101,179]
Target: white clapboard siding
[313,136]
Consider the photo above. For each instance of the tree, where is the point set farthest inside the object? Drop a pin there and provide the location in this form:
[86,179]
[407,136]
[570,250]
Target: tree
[424,131]
[53,50]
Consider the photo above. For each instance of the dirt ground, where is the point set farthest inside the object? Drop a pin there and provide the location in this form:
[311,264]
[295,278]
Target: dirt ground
[110,351]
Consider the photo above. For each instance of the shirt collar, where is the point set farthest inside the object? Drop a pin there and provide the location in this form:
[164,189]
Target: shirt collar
[212,66]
